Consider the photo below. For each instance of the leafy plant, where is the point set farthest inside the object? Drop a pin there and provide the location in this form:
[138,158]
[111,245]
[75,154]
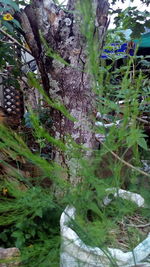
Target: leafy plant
[102,229]
[30,211]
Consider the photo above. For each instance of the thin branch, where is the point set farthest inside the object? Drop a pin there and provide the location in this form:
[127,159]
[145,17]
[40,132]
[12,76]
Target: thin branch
[120,113]
[139,225]
[15,41]
[142,120]
[122,160]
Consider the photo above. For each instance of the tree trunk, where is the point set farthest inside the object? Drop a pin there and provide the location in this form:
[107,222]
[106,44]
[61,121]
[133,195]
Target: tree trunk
[70,82]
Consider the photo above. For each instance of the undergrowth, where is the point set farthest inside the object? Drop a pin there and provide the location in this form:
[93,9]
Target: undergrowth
[30,207]
[106,230]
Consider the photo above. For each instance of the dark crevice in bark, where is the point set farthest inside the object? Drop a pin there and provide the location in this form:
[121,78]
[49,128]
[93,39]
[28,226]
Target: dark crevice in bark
[44,76]
[30,12]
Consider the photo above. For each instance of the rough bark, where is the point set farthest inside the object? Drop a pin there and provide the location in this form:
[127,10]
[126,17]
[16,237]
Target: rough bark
[72,85]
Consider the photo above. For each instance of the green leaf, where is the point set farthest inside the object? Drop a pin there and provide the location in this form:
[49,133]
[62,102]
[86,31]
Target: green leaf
[9,26]
[93,206]
[5,9]
[32,231]
[142,143]
[10,3]
[39,213]
[16,22]
[3,236]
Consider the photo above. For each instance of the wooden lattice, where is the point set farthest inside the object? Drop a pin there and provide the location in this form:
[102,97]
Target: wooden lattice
[13,102]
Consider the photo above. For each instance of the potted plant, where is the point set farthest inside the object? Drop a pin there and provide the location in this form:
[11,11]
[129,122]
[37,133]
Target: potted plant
[74,252]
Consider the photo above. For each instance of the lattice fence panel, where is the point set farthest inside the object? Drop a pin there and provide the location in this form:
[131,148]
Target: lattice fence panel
[13,102]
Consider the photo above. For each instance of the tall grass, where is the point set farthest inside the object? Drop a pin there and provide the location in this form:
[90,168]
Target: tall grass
[29,208]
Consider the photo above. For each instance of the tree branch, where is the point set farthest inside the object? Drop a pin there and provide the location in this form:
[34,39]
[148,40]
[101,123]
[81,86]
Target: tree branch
[122,160]
[142,120]
[15,41]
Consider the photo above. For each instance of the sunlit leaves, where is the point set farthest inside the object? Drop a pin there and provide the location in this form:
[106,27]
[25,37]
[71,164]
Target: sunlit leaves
[133,19]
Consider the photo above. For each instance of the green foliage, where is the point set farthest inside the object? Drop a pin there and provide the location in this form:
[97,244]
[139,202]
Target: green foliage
[132,18]
[33,223]
[30,216]
[99,226]
[9,54]
[54,104]
[8,4]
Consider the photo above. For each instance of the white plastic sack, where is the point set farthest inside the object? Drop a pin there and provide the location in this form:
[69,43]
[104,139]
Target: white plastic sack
[74,253]
[134,197]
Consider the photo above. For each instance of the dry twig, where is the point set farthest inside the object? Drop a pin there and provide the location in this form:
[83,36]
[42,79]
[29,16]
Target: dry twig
[139,225]
[122,160]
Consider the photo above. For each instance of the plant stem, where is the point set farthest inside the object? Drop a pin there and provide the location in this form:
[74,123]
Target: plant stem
[15,41]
